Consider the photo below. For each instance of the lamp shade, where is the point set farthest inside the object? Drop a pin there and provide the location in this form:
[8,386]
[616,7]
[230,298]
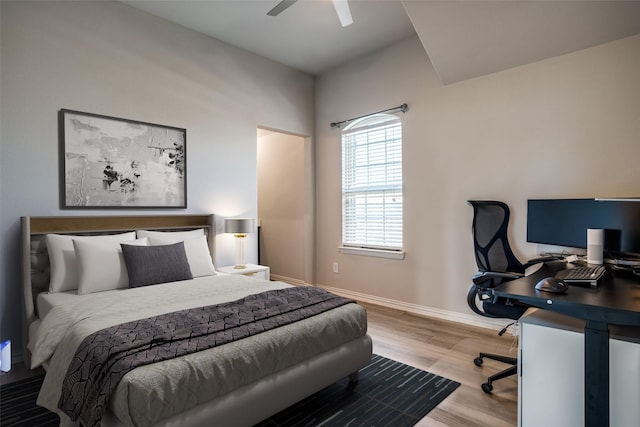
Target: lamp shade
[239,225]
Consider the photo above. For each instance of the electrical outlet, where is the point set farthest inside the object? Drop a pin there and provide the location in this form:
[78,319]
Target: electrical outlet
[335,267]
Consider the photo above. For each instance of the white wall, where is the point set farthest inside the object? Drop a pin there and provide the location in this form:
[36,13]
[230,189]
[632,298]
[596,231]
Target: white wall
[563,127]
[108,58]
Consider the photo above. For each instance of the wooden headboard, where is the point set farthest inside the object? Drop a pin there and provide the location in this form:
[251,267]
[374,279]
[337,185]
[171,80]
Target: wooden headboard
[35,276]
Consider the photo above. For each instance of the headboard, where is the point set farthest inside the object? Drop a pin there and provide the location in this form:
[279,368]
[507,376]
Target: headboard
[35,260]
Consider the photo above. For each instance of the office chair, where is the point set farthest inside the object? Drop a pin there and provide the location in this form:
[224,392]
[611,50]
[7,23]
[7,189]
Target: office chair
[496,264]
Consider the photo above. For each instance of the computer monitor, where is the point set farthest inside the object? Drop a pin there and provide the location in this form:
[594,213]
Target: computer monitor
[564,222]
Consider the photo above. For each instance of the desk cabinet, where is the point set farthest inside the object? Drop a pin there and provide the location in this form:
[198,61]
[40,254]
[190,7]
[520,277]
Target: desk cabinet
[551,368]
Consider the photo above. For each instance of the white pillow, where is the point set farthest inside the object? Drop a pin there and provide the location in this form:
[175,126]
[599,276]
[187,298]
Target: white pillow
[101,265]
[62,258]
[197,251]
[172,236]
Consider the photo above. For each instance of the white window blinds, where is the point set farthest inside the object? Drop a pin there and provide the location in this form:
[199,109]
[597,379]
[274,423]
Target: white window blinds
[372,183]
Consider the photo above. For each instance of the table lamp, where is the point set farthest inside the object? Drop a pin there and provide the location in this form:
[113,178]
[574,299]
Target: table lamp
[240,227]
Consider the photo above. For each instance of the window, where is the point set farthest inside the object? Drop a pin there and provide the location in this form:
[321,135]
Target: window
[372,184]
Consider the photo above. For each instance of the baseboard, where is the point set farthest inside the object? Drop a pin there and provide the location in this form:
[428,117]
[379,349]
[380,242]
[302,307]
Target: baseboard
[289,280]
[453,316]
[467,319]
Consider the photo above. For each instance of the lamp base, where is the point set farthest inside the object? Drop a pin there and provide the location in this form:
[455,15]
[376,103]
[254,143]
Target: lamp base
[240,251]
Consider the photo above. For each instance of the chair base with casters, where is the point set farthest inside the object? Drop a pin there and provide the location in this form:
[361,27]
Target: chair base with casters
[488,386]
[504,310]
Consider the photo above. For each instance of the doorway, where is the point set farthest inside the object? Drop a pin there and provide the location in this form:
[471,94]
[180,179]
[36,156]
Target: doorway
[286,205]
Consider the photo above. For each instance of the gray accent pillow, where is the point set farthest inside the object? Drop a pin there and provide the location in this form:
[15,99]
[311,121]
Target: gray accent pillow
[151,265]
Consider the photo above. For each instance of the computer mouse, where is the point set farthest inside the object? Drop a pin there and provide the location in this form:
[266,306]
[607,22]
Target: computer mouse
[552,284]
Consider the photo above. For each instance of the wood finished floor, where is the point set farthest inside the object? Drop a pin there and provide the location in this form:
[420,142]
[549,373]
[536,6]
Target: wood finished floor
[438,346]
[448,349]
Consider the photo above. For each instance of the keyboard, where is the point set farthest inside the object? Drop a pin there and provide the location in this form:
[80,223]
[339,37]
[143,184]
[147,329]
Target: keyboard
[583,274]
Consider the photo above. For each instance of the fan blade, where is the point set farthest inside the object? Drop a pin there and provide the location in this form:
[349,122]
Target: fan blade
[280,7]
[343,11]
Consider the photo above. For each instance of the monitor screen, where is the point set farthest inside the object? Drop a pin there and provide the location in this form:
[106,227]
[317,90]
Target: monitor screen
[564,222]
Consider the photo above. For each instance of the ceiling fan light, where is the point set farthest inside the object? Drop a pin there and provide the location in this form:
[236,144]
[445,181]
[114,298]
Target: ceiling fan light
[343,11]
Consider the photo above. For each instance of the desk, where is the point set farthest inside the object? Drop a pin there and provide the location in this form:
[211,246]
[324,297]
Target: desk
[616,301]
[551,359]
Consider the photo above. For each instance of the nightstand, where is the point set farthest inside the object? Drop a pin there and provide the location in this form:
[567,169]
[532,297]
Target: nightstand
[252,270]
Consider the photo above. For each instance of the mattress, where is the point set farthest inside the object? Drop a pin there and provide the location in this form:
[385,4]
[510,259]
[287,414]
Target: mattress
[154,392]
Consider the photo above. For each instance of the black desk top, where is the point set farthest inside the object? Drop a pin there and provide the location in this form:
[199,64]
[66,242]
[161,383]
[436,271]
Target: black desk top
[616,299]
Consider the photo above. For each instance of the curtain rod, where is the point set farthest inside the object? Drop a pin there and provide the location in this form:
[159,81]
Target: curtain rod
[402,108]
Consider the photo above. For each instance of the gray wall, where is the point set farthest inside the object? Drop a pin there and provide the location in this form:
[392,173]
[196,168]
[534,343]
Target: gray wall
[108,58]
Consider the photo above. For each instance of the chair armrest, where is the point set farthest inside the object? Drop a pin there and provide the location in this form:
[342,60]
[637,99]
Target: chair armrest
[483,276]
[472,296]
[531,262]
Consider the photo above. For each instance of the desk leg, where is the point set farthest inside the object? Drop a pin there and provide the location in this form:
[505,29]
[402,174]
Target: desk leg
[596,365]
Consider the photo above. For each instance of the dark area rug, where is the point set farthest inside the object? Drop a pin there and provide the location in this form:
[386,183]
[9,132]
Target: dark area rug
[389,393]
[18,405]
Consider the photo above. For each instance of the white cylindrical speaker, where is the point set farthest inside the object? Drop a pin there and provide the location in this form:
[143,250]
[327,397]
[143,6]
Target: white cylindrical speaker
[595,245]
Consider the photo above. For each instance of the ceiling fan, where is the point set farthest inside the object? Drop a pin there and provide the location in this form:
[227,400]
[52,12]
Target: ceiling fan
[341,6]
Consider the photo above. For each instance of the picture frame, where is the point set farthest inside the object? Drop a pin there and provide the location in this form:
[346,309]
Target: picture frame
[114,163]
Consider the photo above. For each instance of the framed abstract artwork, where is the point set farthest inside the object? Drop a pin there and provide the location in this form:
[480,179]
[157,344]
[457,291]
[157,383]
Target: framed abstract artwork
[109,162]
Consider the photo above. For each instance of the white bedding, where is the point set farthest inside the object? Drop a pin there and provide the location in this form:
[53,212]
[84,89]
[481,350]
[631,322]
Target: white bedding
[153,392]
[45,301]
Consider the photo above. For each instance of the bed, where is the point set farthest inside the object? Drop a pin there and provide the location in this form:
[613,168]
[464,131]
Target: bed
[237,383]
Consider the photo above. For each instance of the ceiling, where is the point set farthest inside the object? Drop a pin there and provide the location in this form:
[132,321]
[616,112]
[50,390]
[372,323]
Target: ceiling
[307,36]
[463,39]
